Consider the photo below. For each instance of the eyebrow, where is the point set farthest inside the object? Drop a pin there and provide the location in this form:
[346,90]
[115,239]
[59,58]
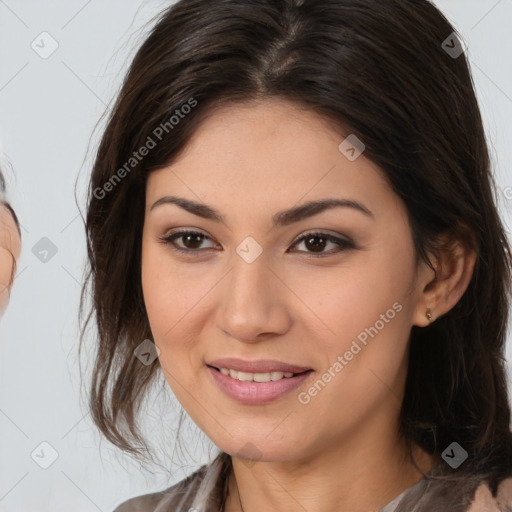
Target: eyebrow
[282,218]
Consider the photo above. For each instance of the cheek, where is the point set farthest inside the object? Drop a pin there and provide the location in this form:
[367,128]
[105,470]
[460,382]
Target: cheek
[164,293]
[345,300]
[367,309]
[173,303]
[365,360]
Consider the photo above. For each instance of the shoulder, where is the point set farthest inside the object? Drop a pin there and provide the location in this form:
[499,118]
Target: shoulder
[484,501]
[170,497]
[180,497]
[441,491]
[470,494]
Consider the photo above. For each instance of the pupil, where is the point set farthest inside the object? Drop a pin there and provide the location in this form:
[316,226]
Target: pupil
[316,247]
[187,238]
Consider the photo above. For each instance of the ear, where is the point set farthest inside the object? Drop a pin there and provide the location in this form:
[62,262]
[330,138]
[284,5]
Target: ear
[439,292]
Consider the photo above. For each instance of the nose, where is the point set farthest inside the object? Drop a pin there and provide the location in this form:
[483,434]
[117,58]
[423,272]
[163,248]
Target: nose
[254,304]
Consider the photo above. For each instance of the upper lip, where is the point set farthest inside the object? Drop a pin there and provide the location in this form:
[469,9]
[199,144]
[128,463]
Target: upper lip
[261,366]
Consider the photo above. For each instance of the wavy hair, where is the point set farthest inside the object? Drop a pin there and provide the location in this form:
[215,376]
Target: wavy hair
[386,71]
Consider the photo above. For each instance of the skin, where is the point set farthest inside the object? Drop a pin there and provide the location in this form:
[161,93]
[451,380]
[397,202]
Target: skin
[10,248]
[341,451]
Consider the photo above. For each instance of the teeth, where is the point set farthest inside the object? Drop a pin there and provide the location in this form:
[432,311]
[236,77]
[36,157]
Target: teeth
[256,377]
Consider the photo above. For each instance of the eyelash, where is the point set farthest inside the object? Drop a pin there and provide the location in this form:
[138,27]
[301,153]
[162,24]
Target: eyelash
[344,244]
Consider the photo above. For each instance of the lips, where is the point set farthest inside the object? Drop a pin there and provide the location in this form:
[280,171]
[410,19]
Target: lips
[261,366]
[263,389]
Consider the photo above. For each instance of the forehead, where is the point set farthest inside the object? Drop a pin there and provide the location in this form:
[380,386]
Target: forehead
[282,127]
[268,153]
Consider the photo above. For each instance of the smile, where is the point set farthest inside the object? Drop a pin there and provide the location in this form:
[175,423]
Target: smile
[256,377]
[256,388]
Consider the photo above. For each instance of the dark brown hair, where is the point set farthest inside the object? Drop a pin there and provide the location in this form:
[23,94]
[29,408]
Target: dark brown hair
[380,70]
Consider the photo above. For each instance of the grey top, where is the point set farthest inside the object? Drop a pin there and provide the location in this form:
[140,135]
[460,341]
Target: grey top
[204,491]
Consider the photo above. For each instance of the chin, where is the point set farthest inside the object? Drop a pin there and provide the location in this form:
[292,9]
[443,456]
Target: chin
[252,451]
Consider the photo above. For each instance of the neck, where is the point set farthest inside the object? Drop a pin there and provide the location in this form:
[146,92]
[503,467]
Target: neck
[359,481]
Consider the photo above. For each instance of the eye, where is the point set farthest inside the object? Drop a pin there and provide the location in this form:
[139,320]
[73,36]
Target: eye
[191,241]
[315,242]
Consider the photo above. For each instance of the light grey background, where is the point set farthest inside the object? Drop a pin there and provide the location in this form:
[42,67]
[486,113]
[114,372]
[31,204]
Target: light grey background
[48,110]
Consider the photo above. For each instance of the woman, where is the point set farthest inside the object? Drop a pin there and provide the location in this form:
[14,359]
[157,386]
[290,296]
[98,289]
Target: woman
[10,246]
[293,201]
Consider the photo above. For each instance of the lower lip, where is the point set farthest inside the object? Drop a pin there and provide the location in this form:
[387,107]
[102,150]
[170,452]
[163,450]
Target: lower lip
[254,393]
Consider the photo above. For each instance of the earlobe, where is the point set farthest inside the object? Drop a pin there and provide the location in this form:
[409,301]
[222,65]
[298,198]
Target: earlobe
[424,316]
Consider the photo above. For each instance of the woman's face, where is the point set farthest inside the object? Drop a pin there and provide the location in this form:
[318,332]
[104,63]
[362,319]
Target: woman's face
[249,289]
[10,246]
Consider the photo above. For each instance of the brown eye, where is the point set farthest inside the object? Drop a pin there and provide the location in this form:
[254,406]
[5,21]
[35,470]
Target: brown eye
[317,242]
[190,240]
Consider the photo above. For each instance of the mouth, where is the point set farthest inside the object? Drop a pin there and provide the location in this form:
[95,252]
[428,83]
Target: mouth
[257,382]
[271,376]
